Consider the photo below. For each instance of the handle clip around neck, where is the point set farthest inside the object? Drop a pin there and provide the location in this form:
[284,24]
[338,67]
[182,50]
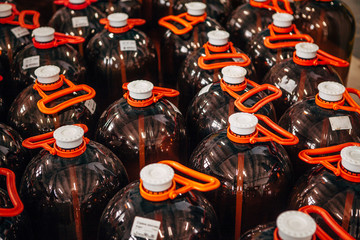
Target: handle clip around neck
[21,18]
[131,23]
[322,58]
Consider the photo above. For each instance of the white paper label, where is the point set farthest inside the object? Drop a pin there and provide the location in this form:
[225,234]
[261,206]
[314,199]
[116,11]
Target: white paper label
[80,21]
[340,123]
[31,62]
[145,228]
[20,32]
[91,105]
[287,84]
[128,45]
[205,89]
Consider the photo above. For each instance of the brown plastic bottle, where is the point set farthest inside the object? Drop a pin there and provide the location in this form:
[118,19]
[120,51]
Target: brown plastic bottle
[332,25]
[130,7]
[46,8]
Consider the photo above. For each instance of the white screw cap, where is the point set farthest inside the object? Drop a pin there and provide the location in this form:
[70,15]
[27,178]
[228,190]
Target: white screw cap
[350,158]
[331,91]
[140,89]
[282,20]
[157,177]
[195,8]
[306,50]
[233,74]
[77,1]
[295,225]
[218,37]
[44,34]
[243,123]
[47,74]
[118,19]
[5,10]
[68,136]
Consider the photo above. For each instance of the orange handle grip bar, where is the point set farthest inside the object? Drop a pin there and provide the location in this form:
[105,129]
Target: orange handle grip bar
[35,19]
[275,6]
[284,41]
[211,183]
[322,58]
[63,39]
[72,88]
[18,206]
[320,233]
[184,19]
[307,156]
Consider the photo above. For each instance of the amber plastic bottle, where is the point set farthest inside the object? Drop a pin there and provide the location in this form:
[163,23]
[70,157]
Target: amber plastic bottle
[332,25]
[67,186]
[179,40]
[163,202]
[254,171]
[203,66]
[117,55]
[333,186]
[299,76]
[212,106]
[47,48]
[130,7]
[51,102]
[141,128]
[329,118]
[46,8]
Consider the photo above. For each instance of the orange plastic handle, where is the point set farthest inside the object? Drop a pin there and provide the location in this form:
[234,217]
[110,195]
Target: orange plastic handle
[257,88]
[320,233]
[46,140]
[72,88]
[131,23]
[70,5]
[322,58]
[275,6]
[184,19]
[35,19]
[18,206]
[60,39]
[217,56]
[210,184]
[307,156]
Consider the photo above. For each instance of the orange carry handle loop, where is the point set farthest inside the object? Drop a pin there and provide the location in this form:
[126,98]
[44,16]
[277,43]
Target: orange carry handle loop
[306,156]
[21,20]
[322,58]
[18,206]
[67,4]
[275,41]
[320,233]
[158,93]
[275,6]
[289,139]
[211,183]
[72,88]
[354,107]
[233,54]
[59,39]
[184,19]
[46,140]
[131,23]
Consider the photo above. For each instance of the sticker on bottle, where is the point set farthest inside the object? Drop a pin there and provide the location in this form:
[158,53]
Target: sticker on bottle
[81,21]
[20,31]
[128,45]
[340,123]
[145,228]
[287,84]
[31,62]
[205,89]
[91,105]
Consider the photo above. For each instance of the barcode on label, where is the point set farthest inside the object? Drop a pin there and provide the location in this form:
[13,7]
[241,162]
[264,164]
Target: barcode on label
[80,21]
[287,84]
[205,89]
[145,228]
[340,123]
[91,105]
[128,45]
[20,32]
[31,62]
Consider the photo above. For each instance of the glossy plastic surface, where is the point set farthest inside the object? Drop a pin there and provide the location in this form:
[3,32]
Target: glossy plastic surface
[139,136]
[210,110]
[66,196]
[257,195]
[46,8]
[336,195]
[130,7]
[261,232]
[64,18]
[188,216]
[245,22]
[313,126]
[25,116]
[175,48]
[192,78]
[332,26]
[65,57]
[110,64]
[297,82]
